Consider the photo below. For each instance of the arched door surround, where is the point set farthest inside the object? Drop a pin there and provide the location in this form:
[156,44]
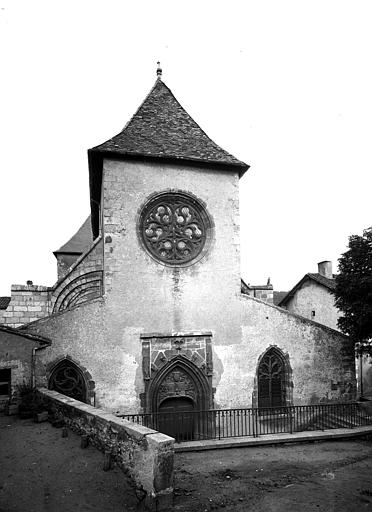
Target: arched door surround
[273,386]
[180,379]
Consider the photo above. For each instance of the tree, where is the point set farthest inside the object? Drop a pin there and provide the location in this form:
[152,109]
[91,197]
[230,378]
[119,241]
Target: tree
[353,292]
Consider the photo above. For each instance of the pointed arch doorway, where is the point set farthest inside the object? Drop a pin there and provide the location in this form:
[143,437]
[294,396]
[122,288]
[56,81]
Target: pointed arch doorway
[273,379]
[177,371]
[177,395]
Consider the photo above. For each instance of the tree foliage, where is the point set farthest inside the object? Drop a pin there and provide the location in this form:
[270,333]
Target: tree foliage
[353,292]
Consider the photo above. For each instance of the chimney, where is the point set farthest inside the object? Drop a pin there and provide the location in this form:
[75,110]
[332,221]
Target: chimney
[325,269]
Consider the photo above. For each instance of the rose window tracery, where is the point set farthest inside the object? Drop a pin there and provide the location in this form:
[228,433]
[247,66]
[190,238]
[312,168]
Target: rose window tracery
[174,228]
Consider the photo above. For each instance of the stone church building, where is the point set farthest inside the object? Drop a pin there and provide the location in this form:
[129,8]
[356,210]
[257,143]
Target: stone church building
[148,313]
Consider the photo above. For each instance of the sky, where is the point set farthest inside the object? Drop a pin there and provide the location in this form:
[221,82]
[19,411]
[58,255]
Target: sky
[284,86]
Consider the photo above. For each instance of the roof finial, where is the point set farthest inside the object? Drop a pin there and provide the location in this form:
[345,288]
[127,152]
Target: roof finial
[159,71]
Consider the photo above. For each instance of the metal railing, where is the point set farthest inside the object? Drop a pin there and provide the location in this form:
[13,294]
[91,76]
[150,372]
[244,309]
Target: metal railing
[226,423]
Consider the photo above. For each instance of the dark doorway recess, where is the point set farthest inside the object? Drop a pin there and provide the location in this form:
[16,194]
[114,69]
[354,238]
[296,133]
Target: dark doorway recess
[272,379]
[5,379]
[176,418]
[176,394]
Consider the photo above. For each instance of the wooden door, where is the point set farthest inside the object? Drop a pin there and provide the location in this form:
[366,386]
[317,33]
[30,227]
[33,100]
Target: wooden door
[176,418]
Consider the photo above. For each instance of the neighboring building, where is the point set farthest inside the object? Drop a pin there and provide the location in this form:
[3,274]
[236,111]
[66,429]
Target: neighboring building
[151,315]
[263,292]
[278,296]
[17,361]
[311,297]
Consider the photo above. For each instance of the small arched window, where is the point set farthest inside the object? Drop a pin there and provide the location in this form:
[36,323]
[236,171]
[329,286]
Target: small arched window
[272,379]
[67,378]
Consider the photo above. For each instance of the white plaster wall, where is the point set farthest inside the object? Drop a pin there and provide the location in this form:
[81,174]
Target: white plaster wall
[145,294]
[315,297]
[321,360]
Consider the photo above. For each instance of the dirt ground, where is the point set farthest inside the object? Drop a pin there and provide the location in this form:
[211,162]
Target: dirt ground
[327,477]
[40,471]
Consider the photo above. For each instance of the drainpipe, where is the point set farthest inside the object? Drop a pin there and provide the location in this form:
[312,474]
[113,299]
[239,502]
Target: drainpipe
[33,365]
[361,375]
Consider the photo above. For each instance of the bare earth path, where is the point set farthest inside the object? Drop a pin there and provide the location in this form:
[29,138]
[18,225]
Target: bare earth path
[40,471]
[328,477]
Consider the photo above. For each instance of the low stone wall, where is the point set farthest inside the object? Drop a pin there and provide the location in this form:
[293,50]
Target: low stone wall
[144,454]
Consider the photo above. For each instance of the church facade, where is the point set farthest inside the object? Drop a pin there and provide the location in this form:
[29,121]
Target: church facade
[150,316]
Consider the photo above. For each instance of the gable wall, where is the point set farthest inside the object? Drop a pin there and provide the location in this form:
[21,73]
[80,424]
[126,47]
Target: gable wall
[143,293]
[142,296]
[322,360]
[314,297]
[16,354]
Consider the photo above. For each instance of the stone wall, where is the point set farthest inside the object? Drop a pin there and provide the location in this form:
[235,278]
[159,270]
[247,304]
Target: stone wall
[262,292]
[16,354]
[321,360]
[28,303]
[82,283]
[365,369]
[64,262]
[144,454]
[312,297]
[107,336]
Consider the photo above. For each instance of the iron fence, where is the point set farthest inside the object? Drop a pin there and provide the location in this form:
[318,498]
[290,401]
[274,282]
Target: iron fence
[226,423]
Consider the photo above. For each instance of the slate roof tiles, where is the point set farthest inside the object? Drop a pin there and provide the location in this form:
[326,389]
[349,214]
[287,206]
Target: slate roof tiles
[80,242]
[162,128]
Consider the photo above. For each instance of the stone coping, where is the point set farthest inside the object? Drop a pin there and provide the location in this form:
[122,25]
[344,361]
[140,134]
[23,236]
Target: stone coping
[146,455]
[297,437]
[175,334]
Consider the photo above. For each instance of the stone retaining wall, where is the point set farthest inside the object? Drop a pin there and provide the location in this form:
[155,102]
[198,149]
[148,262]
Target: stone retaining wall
[144,454]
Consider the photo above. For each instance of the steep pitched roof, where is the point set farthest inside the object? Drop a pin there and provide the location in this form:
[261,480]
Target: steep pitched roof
[80,241]
[325,281]
[278,297]
[161,129]
[318,278]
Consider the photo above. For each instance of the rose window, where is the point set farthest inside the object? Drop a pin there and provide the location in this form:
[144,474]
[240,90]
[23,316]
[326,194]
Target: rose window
[174,228]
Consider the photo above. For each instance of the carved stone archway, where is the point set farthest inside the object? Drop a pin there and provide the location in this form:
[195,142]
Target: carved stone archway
[177,365]
[180,378]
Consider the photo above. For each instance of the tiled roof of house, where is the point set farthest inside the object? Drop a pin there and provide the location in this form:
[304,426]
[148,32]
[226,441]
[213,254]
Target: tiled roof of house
[162,128]
[278,297]
[80,242]
[27,335]
[325,281]
[4,302]
[318,278]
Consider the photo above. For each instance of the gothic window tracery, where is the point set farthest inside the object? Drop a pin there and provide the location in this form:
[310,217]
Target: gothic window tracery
[67,379]
[174,228]
[271,380]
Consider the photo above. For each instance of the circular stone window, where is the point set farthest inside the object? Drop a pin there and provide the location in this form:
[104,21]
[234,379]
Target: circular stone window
[174,228]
